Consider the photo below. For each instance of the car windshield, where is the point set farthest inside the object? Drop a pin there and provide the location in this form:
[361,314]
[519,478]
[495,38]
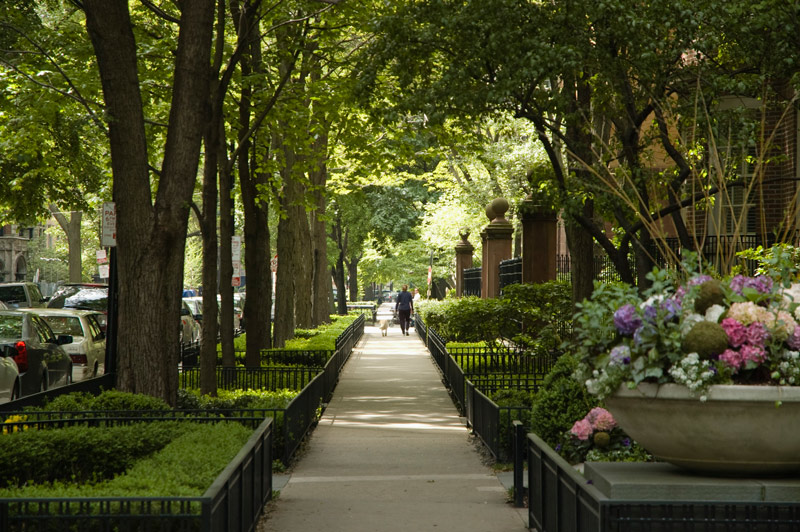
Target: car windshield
[82,298]
[70,325]
[10,327]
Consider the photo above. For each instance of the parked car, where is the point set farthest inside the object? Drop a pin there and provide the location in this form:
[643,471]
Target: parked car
[190,328]
[82,296]
[41,360]
[195,304]
[9,377]
[88,347]
[21,295]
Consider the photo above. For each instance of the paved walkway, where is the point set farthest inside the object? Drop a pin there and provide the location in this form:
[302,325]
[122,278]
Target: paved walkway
[391,454]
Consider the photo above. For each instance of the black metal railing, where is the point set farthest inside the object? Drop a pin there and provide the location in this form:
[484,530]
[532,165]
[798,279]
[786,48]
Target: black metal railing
[560,499]
[512,361]
[510,272]
[265,378]
[472,282]
[234,501]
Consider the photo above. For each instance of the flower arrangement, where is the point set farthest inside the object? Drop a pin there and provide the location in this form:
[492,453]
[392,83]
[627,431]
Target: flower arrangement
[598,438]
[699,332]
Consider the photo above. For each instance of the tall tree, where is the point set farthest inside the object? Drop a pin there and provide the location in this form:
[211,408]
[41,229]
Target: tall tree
[151,231]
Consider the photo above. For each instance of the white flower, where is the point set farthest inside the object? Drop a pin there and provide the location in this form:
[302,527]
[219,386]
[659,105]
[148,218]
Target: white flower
[714,312]
[689,321]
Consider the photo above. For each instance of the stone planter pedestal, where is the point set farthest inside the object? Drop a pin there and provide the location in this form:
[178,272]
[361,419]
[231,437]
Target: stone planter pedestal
[738,431]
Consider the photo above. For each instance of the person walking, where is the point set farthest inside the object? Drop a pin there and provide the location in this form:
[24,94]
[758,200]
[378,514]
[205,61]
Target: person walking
[404,307]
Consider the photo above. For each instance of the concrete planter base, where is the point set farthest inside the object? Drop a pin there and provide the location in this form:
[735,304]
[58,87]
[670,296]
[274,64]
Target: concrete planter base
[739,431]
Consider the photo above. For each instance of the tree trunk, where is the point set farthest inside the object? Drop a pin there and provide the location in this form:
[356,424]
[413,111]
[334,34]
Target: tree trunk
[151,236]
[208,227]
[225,259]
[352,277]
[320,304]
[288,252]
[256,207]
[72,228]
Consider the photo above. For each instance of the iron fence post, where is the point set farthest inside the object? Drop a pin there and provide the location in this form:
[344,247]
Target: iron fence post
[518,448]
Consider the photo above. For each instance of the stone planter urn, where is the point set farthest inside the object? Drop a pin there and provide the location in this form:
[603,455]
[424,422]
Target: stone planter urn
[738,431]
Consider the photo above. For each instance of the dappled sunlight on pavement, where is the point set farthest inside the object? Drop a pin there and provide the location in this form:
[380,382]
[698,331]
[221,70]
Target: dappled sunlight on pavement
[391,454]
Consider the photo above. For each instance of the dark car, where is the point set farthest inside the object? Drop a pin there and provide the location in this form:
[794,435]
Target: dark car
[41,360]
[82,296]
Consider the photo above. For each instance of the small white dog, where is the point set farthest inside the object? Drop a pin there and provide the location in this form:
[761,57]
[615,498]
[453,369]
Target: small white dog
[384,326]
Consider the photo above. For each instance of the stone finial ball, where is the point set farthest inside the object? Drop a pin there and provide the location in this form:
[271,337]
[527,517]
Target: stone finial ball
[490,212]
[499,207]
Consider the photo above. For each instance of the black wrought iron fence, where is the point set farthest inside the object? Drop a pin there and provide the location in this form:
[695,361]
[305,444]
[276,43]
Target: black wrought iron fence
[510,272]
[264,378]
[234,501]
[472,282]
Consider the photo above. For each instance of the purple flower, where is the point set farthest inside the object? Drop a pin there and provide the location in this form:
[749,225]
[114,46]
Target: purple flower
[672,307]
[626,320]
[761,284]
[650,313]
[794,340]
[626,442]
[621,355]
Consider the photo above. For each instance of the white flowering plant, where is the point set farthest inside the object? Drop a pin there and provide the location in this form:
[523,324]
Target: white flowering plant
[697,331]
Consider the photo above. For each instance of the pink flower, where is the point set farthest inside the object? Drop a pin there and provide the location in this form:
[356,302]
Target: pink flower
[754,354]
[603,420]
[737,333]
[757,335]
[732,358]
[582,429]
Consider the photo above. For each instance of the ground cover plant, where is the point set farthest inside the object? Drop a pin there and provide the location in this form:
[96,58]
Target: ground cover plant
[144,459]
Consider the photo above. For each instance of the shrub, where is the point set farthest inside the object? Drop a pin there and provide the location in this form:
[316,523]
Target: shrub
[560,402]
[537,315]
[80,453]
[106,400]
[235,399]
[185,464]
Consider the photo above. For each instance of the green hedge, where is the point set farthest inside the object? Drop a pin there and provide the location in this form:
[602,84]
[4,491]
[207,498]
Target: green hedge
[147,459]
[537,315]
[323,338]
[80,453]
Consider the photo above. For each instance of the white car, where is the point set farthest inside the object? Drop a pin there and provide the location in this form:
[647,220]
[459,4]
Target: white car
[9,377]
[190,328]
[88,347]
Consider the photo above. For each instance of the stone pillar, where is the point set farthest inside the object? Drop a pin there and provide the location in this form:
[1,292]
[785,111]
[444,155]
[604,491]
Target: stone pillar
[539,229]
[463,259]
[497,246]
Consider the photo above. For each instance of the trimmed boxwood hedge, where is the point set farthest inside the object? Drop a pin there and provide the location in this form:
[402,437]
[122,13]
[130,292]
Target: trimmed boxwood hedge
[145,459]
[80,453]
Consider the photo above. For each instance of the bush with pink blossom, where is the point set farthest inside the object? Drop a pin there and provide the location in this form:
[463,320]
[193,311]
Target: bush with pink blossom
[598,438]
[696,331]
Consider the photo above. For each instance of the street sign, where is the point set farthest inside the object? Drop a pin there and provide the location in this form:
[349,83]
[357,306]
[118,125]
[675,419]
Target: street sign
[108,235]
[236,281]
[236,248]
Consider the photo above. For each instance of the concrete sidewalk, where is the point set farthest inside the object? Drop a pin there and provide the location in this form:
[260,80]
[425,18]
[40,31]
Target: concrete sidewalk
[391,454]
